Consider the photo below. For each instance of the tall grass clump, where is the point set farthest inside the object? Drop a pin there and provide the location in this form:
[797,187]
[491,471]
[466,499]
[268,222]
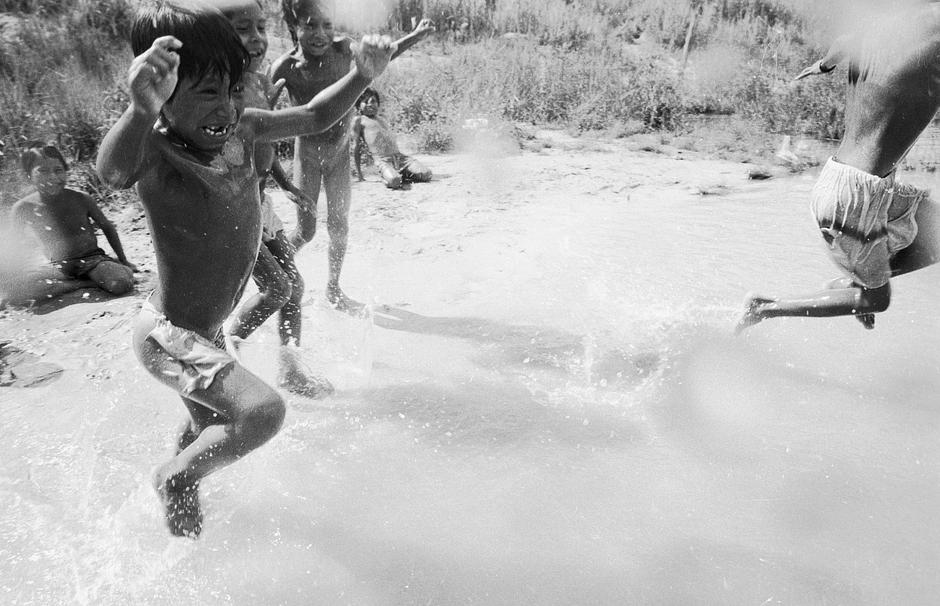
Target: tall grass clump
[57,74]
[590,64]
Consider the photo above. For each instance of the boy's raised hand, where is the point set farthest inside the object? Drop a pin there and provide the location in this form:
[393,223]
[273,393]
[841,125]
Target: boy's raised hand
[275,92]
[424,27]
[152,75]
[373,54]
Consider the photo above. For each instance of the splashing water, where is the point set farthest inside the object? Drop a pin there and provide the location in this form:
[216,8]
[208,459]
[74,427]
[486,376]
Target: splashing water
[544,407]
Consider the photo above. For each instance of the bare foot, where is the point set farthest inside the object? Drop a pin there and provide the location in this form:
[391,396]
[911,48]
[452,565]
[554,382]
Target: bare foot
[296,378]
[181,503]
[752,312]
[305,385]
[867,320]
[340,302]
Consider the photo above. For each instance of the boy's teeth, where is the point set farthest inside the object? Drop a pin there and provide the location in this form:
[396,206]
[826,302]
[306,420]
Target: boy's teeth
[215,130]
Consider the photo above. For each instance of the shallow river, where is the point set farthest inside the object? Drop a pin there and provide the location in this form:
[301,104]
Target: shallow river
[546,406]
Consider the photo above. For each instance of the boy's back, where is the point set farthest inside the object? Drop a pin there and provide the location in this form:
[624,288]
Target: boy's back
[894,88]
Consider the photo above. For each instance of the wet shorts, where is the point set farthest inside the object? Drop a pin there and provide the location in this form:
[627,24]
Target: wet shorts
[192,361]
[865,220]
[79,267]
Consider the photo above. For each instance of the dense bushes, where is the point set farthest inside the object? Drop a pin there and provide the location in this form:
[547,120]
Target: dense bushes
[587,64]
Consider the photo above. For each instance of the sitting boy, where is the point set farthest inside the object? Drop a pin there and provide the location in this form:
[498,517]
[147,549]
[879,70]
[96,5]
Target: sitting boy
[64,220]
[368,127]
[188,143]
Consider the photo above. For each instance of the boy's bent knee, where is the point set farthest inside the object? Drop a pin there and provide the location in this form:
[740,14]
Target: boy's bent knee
[876,300]
[278,293]
[264,419]
[120,286]
[114,278]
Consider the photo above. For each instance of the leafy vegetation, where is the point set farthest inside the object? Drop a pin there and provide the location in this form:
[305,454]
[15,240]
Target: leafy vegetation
[614,65]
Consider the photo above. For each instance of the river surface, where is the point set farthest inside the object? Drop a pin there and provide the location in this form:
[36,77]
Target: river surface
[546,405]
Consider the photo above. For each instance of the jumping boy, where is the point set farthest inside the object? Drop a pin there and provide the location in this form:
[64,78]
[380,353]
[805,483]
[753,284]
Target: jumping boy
[64,220]
[318,60]
[280,286]
[188,144]
[370,129]
[874,226]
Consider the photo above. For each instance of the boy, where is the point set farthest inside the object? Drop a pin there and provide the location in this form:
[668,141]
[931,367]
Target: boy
[395,167]
[64,221]
[874,227]
[188,144]
[280,286]
[318,60]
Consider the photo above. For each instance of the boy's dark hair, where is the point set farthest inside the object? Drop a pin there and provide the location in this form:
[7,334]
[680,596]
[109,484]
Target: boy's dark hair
[210,43]
[37,150]
[289,12]
[368,93]
[228,12]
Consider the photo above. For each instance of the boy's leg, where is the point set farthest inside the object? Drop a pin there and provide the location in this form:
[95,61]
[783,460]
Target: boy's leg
[852,300]
[39,285]
[307,177]
[274,290]
[865,319]
[416,171]
[293,375]
[113,277]
[282,254]
[236,414]
[338,187]
[390,175]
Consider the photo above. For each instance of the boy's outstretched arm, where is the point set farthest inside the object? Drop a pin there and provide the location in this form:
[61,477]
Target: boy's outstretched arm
[298,197]
[152,78]
[424,27]
[110,233]
[332,103]
[836,54]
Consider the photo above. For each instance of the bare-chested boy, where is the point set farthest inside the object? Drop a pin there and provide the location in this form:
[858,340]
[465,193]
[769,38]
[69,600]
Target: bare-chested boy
[874,226]
[188,144]
[64,220]
[371,130]
[320,59]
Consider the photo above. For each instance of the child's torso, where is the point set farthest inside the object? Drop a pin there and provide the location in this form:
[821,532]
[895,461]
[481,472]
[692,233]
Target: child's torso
[306,78]
[64,227]
[205,220]
[379,138]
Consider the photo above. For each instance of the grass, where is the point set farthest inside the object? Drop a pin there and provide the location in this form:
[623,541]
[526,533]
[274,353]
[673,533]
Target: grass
[594,65]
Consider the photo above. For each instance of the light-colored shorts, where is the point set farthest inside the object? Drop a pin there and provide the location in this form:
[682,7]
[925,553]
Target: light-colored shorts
[192,361]
[270,222]
[864,219]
